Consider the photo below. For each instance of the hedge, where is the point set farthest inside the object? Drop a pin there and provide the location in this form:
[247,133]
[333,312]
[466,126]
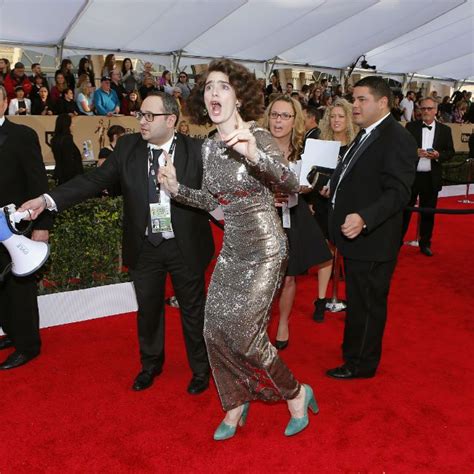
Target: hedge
[85,247]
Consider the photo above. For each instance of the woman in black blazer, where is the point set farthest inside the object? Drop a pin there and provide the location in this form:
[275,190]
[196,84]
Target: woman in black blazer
[66,154]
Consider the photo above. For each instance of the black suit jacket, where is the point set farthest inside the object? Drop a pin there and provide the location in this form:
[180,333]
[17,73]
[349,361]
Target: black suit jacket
[128,165]
[442,143]
[377,185]
[22,171]
[314,133]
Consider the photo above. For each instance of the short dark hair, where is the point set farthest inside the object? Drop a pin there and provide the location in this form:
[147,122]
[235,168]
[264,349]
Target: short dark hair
[378,88]
[312,112]
[34,65]
[115,130]
[170,104]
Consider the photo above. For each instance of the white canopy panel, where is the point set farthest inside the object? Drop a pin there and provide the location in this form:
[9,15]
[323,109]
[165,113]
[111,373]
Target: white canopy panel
[432,37]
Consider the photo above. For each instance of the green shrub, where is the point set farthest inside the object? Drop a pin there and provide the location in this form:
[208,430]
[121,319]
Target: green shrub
[85,247]
[456,170]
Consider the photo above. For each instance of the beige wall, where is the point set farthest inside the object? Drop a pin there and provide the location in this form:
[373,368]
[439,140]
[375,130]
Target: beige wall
[87,128]
[95,130]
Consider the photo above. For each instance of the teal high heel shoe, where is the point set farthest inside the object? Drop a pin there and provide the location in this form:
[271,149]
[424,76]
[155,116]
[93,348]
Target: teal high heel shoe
[299,424]
[225,431]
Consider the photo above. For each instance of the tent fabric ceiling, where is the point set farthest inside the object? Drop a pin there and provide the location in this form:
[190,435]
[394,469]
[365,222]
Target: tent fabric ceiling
[432,37]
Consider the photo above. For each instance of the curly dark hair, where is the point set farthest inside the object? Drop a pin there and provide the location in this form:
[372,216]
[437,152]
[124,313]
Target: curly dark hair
[246,86]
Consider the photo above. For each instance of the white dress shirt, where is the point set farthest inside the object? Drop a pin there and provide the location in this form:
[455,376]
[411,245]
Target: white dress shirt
[164,195]
[427,138]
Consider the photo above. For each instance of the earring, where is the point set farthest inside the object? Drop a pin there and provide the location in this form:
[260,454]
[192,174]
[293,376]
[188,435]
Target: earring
[238,106]
[204,111]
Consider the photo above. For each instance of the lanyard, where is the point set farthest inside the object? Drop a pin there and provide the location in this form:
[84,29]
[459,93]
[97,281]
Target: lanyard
[152,169]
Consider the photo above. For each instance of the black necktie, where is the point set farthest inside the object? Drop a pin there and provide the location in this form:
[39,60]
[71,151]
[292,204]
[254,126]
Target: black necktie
[354,147]
[153,195]
[342,165]
[429,127]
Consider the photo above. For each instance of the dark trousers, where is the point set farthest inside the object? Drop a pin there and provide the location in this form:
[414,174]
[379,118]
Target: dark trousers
[149,278]
[428,193]
[367,287]
[19,316]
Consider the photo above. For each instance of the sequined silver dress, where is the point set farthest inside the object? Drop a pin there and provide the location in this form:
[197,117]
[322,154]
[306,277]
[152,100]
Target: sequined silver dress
[248,272]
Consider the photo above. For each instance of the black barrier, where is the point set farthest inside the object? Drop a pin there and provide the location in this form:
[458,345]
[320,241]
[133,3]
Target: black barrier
[430,210]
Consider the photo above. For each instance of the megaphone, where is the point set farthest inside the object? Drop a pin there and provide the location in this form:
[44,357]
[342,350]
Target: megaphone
[27,255]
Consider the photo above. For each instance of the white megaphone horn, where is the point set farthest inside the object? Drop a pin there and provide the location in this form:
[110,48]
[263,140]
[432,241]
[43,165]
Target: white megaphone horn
[27,255]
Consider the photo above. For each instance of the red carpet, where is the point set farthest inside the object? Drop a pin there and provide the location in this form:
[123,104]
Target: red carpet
[72,409]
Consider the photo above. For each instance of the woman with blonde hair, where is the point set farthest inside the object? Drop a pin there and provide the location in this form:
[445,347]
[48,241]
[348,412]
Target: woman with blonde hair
[337,125]
[85,98]
[285,120]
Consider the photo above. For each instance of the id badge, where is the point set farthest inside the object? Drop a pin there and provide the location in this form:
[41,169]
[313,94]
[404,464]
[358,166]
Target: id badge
[160,218]
[285,214]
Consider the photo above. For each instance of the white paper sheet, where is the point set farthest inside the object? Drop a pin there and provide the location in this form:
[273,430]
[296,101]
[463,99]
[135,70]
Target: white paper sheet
[322,153]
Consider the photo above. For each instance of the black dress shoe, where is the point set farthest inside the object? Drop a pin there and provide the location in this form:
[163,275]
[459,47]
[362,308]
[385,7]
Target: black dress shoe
[198,384]
[426,251]
[319,309]
[5,343]
[145,379]
[347,372]
[16,359]
[280,345]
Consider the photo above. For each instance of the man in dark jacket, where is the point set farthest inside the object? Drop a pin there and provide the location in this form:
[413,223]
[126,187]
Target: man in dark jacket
[16,78]
[435,145]
[368,191]
[22,176]
[151,248]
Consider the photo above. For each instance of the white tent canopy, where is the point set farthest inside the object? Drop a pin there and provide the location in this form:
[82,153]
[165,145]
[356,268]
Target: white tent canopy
[429,37]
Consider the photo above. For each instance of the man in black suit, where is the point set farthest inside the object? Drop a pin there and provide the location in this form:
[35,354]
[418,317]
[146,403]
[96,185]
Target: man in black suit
[149,249]
[368,191]
[311,120]
[435,145]
[22,176]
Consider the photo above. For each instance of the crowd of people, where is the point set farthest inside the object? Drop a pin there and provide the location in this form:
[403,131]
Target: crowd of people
[121,90]
[168,179]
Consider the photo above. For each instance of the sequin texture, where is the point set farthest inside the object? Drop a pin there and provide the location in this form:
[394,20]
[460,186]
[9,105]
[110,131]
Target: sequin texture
[248,272]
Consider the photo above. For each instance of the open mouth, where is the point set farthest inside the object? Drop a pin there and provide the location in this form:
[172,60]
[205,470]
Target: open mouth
[215,107]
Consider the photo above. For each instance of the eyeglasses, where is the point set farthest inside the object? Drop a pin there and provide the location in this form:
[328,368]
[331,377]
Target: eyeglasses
[283,115]
[149,116]
[427,108]
[182,77]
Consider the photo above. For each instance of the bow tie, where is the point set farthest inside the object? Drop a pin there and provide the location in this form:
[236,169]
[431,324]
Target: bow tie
[429,127]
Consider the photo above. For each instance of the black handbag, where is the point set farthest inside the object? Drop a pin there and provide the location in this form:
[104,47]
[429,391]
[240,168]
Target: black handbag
[318,177]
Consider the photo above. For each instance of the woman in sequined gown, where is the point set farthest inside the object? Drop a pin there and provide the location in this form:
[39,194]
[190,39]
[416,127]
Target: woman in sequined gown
[241,165]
